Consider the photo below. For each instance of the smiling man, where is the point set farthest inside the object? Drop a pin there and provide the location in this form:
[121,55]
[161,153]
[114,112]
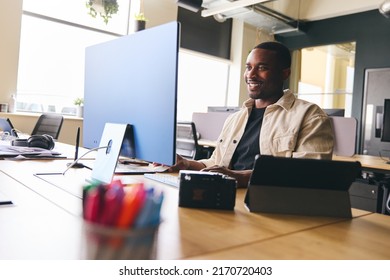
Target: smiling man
[271,122]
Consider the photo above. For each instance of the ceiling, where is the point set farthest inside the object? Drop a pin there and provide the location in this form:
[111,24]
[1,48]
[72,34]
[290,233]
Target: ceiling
[278,16]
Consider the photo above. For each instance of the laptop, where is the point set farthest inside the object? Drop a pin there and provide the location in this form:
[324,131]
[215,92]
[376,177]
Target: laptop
[72,181]
[301,186]
[6,126]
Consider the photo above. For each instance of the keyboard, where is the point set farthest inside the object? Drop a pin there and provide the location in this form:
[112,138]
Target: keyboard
[169,179]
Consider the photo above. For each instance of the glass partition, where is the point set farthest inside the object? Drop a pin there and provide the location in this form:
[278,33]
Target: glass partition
[326,76]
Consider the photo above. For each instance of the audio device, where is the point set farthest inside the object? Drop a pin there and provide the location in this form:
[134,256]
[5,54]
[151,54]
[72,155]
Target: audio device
[44,141]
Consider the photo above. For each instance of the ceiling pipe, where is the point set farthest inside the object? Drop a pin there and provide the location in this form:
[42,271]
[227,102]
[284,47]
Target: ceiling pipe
[230,6]
[192,5]
[384,9]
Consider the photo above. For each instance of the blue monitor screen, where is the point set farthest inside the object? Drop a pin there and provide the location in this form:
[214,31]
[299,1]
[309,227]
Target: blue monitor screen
[133,80]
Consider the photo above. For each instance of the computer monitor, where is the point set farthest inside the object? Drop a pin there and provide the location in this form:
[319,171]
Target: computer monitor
[133,80]
[386,122]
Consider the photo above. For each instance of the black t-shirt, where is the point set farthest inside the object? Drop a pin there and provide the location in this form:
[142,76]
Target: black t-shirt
[248,148]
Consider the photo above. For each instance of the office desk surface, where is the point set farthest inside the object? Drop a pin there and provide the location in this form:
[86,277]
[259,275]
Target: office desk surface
[33,227]
[369,163]
[65,198]
[46,223]
[363,238]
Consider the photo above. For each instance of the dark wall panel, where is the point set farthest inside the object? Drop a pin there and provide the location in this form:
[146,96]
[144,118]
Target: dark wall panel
[205,35]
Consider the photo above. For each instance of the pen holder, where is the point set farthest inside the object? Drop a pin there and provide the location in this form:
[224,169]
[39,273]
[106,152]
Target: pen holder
[109,243]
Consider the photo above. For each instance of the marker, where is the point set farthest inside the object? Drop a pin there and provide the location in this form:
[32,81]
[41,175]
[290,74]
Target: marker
[146,217]
[155,215]
[113,200]
[132,203]
[86,189]
[92,205]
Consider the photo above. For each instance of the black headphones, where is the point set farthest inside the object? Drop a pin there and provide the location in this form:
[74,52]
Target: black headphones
[44,141]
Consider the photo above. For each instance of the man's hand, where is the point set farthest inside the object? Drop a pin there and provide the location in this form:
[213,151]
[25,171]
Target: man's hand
[181,163]
[185,164]
[242,176]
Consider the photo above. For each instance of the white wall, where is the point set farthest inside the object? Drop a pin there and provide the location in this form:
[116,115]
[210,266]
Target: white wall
[160,12]
[10,22]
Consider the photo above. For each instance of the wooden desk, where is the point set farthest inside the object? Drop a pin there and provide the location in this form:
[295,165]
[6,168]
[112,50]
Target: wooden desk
[369,194]
[364,238]
[34,227]
[23,172]
[46,223]
[369,163]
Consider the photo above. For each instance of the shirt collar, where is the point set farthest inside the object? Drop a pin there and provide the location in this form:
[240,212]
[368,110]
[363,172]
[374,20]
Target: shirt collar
[286,101]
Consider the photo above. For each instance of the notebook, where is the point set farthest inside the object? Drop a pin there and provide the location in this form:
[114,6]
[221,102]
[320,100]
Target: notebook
[301,186]
[72,181]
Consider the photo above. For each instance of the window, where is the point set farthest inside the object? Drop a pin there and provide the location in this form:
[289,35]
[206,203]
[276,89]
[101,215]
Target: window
[202,83]
[51,55]
[51,64]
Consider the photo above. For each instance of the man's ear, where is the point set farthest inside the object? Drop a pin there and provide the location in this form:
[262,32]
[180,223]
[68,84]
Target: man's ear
[286,73]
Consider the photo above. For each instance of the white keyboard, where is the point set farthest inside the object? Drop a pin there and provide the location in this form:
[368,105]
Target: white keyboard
[168,179]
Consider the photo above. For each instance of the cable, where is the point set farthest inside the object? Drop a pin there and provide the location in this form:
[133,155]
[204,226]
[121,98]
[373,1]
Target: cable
[77,160]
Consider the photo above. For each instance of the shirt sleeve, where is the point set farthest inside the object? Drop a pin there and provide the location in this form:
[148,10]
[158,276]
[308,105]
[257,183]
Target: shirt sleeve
[315,139]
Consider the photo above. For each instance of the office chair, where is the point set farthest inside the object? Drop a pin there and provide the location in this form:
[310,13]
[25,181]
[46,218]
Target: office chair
[344,130]
[187,140]
[49,124]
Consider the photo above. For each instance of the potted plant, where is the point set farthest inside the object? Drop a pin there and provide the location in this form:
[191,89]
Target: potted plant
[139,18]
[105,8]
[79,102]
[140,21]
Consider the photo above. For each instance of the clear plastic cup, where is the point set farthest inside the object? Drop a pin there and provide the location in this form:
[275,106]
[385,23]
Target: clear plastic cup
[109,243]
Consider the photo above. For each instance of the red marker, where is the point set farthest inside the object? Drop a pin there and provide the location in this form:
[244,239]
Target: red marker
[92,205]
[113,200]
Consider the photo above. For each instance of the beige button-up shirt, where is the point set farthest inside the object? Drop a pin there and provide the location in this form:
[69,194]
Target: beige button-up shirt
[291,128]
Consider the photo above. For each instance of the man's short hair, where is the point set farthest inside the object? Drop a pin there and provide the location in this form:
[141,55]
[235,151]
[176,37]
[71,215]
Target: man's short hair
[282,51]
